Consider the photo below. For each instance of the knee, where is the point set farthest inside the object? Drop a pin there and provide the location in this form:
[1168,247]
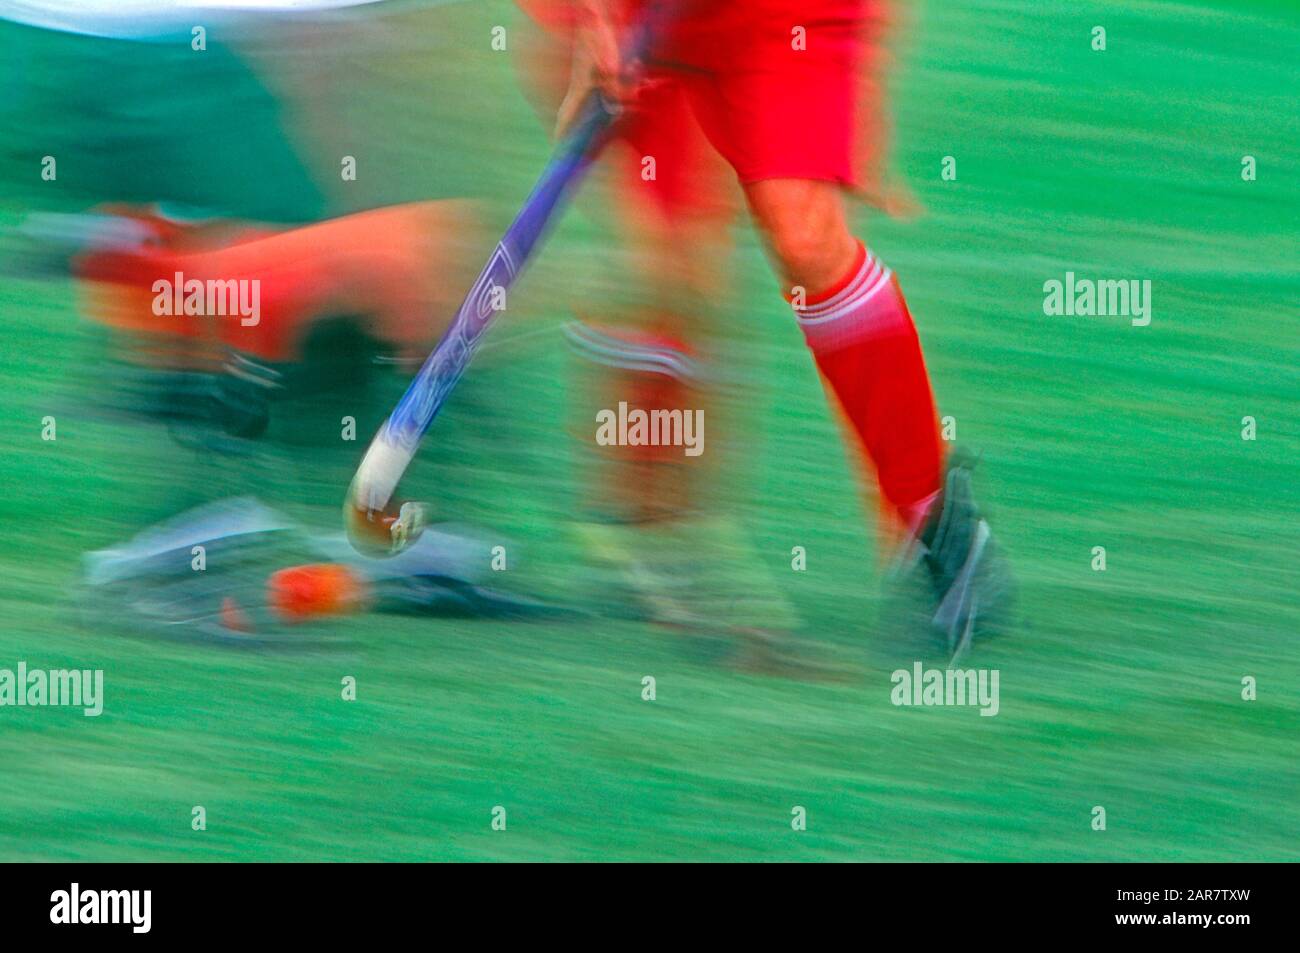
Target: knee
[801,250]
[806,232]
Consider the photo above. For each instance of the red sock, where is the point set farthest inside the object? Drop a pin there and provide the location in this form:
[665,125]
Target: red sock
[865,345]
[649,372]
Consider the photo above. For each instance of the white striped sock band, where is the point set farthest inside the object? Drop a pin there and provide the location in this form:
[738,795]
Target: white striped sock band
[869,305]
[865,285]
[614,351]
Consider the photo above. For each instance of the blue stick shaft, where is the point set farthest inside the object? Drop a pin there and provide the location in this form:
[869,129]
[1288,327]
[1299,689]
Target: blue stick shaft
[443,368]
[395,444]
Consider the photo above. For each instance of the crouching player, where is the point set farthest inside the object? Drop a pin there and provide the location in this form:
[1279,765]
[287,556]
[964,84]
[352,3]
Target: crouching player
[218,322]
[781,90]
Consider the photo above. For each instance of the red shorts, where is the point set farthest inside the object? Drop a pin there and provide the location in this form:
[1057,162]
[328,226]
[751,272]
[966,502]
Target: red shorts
[780,88]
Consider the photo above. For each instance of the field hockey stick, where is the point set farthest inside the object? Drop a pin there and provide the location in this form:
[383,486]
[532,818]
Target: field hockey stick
[371,525]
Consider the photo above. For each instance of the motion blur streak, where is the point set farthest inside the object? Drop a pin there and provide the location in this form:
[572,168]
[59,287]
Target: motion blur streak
[633,652]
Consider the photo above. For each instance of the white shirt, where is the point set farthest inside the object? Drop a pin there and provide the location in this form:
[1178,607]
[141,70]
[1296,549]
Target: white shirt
[147,18]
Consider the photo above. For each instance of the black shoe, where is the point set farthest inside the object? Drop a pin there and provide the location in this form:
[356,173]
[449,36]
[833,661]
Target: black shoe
[970,577]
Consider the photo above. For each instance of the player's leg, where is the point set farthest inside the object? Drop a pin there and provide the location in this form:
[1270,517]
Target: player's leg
[641,342]
[642,331]
[855,321]
[795,121]
[664,199]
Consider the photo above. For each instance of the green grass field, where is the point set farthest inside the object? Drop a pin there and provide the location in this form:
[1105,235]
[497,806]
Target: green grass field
[1119,689]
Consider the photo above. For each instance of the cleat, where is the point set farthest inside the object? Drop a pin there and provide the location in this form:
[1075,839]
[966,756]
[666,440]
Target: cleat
[970,578]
